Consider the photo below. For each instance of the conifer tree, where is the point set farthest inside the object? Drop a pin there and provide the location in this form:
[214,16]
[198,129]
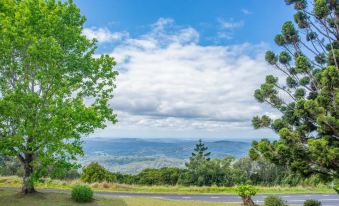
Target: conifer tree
[306,93]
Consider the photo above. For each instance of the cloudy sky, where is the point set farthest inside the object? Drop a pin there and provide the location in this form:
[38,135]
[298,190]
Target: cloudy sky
[188,68]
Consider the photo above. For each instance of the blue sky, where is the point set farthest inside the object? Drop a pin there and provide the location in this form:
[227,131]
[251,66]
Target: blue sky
[260,19]
[188,68]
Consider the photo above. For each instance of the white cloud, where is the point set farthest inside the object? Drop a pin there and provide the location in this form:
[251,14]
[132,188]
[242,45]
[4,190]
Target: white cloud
[104,35]
[169,85]
[224,35]
[230,24]
[246,11]
[161,23]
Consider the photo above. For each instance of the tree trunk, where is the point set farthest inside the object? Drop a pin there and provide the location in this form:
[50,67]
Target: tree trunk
[248,201]
[27,184]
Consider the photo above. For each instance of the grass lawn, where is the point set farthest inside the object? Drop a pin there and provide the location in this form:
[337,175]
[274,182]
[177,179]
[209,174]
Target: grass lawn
[58,184]
[12,198]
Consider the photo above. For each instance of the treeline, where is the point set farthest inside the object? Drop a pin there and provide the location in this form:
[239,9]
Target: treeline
[200,171]
[220,172]
[203,171]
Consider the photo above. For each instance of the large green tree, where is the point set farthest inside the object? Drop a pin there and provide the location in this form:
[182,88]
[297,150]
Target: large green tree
[52,90]
[306,94]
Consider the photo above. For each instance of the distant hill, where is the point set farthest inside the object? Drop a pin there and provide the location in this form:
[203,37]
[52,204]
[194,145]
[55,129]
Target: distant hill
[131,155]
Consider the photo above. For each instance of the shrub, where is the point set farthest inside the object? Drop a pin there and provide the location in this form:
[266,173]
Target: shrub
[82,193]
[94,173]
[246,192]
[95,185]
[106,185]
[312,203]
[274,201]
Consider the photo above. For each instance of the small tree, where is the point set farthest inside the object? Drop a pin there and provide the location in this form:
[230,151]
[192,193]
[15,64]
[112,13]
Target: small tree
[52,90]
[246,192]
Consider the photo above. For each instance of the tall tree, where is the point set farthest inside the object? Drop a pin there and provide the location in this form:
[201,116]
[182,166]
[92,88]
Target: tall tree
[197,165]
[200,152]
[308,99]
[52,90]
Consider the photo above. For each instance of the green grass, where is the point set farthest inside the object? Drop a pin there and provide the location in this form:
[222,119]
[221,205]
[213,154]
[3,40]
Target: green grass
[58,184]
[12,198]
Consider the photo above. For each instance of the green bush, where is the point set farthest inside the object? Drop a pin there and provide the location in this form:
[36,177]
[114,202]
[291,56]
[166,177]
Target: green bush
[312,203]
[274,201]
[95,173]
[82,193]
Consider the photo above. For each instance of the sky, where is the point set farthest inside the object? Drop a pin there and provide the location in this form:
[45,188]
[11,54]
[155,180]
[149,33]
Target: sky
[187,68]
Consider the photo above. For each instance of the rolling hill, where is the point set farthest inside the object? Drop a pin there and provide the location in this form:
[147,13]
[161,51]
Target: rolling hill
[131,155]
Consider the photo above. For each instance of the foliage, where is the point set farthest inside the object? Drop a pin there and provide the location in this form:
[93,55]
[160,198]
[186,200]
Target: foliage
[220,172]
[94,173]
[312,202]
[47,69]
[70,174]
[82,193]
[162,176]
[10,166]
[246,192]
[198,164]
[274,201]
[308,100]
[200,152]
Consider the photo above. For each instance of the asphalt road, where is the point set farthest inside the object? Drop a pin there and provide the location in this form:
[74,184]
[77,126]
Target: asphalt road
[326,199]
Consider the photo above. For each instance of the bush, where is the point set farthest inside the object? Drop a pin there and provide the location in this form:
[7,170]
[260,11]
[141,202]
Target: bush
[82,193]
[312,203]
[95,173]
[274,201]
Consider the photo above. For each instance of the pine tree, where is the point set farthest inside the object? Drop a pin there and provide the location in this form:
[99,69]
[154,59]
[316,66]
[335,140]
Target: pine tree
[198,165]
[308,99]
[199,156]
[200,152]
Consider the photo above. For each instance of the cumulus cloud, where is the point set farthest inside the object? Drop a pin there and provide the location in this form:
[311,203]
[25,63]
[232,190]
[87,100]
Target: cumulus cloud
[104,35]
[169,82]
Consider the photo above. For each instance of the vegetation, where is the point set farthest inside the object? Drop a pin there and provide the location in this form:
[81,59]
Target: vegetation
[203,171]
[11,198]
[82,193]
[308,100]
[220,172]
[95,173]
[246,192]
[47,69]
[178,189]
[274,201]
[312,203]
[10,166]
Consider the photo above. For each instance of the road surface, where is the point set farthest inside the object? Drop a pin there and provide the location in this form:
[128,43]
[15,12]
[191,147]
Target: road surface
[326,199]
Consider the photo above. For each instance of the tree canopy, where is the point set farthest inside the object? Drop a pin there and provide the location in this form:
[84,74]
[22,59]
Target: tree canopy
[306,93]
[52,90]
